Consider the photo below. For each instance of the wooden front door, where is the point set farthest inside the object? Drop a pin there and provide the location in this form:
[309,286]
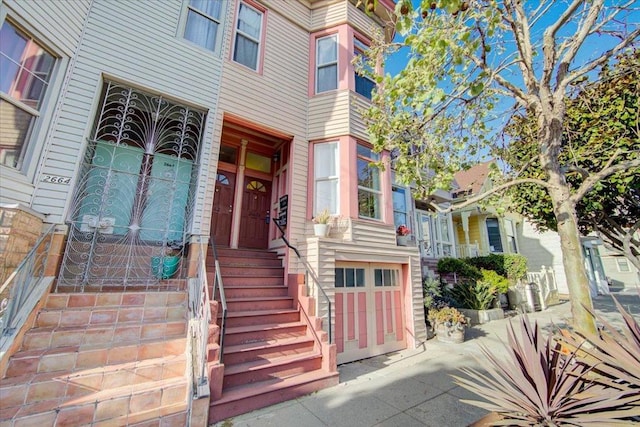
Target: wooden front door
[254,221]
[223,208]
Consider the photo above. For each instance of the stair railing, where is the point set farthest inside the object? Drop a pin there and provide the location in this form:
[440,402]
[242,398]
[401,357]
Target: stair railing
[22,284]
[200,308]
[309,274]
[217,284]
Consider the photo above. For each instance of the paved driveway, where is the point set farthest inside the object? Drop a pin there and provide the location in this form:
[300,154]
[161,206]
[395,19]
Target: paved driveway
[411,387]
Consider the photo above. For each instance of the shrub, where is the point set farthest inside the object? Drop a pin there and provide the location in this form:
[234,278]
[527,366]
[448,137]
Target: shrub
[511,266]
[478,295]
[448,316]
[459,267]
[493,279]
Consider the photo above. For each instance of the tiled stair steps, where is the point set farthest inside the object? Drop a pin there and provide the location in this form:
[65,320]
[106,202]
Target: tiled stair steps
[270,355]
[107,359]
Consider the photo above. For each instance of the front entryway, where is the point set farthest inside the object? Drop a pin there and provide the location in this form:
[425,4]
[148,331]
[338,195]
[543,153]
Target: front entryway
[254,222]
[369,310]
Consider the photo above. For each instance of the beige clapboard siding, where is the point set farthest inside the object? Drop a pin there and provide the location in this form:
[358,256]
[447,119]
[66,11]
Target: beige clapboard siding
[542,248]
[294,11]
[417,316]
[328,16]
[57,22]
[136,44]
[329,115]
[356,122]
[374,233]
[298,188]
[360,21]
[277,98]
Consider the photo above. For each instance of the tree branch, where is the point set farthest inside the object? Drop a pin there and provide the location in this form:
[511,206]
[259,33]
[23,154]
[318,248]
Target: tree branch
[481,196]
[588,183]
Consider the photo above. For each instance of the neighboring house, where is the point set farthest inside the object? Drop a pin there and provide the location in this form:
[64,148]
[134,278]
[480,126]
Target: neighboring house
[621,274]
[140,130]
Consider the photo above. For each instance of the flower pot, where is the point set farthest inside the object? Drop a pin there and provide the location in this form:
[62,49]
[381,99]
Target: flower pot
[164,267]
[450,334]
[402,240]
[321,230]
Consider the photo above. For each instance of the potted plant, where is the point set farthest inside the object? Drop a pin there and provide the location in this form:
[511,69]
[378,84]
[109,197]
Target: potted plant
[402,235]
[321,223]
[165,266]
[449,324]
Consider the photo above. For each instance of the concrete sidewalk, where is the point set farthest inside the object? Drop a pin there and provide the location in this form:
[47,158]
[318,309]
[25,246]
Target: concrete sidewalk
[411,387]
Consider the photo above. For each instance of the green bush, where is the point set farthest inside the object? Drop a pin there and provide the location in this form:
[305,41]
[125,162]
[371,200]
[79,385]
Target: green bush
[478,295]
[493,279]
[511,266]
[459,267]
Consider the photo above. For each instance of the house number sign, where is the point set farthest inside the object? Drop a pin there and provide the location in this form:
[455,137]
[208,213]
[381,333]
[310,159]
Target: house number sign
[54,179]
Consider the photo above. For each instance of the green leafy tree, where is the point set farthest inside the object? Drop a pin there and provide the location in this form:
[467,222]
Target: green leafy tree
[466,60]
[601,117]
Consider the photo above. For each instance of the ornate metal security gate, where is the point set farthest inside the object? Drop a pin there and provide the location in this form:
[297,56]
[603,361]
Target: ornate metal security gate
[133,201]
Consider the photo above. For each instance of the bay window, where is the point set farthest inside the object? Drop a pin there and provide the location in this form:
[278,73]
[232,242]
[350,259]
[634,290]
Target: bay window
[364,85]
[327,63]
[369,188]
[326,179]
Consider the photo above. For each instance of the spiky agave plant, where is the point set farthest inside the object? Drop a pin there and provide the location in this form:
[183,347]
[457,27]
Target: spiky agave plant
[613,355]
[540,385]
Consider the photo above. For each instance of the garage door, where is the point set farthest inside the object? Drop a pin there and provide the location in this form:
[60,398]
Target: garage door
[369,313]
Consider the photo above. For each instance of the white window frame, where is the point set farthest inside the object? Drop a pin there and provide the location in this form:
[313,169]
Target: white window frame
[326,64]
[378,193]
[219,28]
[625,262]
[329,178]
[34,139]
[237,31]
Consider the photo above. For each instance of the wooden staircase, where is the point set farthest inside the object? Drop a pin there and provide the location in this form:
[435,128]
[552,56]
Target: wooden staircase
[109,358]
[270,353]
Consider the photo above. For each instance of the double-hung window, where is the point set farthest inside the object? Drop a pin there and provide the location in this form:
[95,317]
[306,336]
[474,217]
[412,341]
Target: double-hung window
[246,49]
[326,179]
[204,23]
[327,63]
[364,85]
[400,216]
[369,188]
[25,73]
[493,232]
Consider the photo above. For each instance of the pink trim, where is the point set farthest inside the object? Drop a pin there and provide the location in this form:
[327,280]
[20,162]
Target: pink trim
[398,306]
[343,57]
[389,310]
[362,320]
[379,319]
[263,33]
[351,317]
[339,323]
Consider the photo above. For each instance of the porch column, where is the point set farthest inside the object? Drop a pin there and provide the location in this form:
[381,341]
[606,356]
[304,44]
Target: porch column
[237,200]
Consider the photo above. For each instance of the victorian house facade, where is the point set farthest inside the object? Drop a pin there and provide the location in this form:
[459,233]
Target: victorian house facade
[173,152]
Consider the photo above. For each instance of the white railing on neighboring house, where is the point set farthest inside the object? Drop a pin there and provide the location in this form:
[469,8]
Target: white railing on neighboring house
[468,251]
[545,280]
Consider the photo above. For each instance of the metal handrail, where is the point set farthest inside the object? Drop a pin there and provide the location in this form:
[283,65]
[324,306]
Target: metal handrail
[309,273]
[217,283]
[26,277]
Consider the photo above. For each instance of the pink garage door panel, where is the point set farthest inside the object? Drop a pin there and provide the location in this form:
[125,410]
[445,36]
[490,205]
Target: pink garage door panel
[398,304]
[339,323]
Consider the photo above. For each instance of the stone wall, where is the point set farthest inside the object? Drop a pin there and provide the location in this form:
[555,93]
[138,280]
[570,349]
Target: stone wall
[19,231]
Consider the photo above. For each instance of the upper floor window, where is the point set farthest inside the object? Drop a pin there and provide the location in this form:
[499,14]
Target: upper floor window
[203,23]
[369,188]
[493,231]
[25,73]
[327,63]
[326,179]
[623,265]
[246,49]
[364,85]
